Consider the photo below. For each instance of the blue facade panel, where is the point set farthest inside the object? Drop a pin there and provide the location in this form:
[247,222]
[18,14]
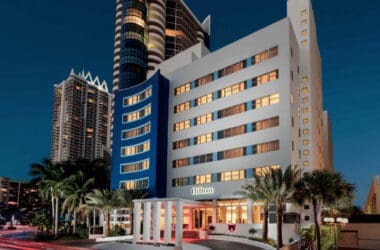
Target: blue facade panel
[157,137]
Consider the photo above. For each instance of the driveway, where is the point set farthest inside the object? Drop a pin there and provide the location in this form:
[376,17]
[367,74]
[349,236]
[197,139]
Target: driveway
[225,245]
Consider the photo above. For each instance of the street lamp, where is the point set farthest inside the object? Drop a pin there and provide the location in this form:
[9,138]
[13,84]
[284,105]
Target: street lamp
[334,222]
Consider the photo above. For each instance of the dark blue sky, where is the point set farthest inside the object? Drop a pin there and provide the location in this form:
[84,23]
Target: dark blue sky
[41,40]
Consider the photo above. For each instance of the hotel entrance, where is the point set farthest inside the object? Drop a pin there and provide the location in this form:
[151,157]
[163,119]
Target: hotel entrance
[202,217]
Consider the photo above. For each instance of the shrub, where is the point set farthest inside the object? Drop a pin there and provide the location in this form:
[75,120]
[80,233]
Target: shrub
[252,231]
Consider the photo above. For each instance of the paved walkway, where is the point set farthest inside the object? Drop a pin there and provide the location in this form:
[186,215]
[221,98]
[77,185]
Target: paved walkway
[225,245]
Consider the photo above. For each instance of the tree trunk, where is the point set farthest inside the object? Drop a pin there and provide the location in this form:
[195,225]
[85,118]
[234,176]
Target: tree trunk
[265,224]
[52,215]
[106,226]
[56,217]
[317,229]
[131,219]
[75,222]
[279,213]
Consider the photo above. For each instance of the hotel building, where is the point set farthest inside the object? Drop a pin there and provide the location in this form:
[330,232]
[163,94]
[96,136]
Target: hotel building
[81,118]
[205,122]
[372,204]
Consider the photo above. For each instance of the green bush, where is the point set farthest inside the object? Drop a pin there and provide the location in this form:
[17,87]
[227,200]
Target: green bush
[252,231]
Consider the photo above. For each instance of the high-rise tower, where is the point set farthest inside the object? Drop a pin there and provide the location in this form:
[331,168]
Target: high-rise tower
[81,118]
[150,31]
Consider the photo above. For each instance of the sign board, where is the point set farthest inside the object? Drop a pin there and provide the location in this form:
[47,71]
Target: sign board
[195,191]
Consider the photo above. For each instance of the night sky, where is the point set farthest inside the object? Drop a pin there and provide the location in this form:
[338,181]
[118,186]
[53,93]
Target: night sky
[41,40]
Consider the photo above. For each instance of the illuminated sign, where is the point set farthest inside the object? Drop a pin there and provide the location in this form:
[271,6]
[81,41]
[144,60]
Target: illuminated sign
[195,191]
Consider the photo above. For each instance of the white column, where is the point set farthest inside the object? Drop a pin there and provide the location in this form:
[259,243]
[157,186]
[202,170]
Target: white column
[249,211]
[147,218]
[214,207]
[168,222]
[156,222]
[136,222]
[179,223]
[191,225]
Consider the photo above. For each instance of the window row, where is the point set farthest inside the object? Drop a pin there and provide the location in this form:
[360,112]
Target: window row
[133,116]
[260,57]
[135,184]
[127,101]
[227,154]
[228,91]
[233,175]
[127,134]
[135,149]
[135,166]
[236,109]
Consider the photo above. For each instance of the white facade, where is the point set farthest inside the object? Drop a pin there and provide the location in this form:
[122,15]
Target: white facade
[200,174]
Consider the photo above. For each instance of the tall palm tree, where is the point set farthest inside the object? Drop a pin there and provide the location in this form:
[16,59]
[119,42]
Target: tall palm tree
[282,185]
[257,191]
[321,187]
[74,194]
[125,199]
[105,201]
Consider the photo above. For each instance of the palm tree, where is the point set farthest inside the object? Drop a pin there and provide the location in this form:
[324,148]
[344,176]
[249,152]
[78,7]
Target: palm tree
[282,185]
[321,187]
[257,191]
[125,199]
[105,201]
[74,194]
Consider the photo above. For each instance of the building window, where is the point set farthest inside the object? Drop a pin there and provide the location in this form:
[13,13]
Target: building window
[305,121]
[305,142]
[133,116]
[181,125]
[135,166]
[204,80]
[265,55]
[305,90]
[305,131]
[305,79]
[262,171]
[203,99]
[303,22]
[234,175]
[231,90]
[232,69]
[135,184]
[237,109]
[135,149]
[305,110]
[304,42]
[203,139]
[266,147]
[306,163]
[199,159]
[181,163]
[179,182]
[131,133]
[203,119]
[128,101]
[181,144]
[182,89]
[303,12]
[304,32]
[266,100]
[265,78]
[202,179]
[181,107]
[305,99]
[306,152]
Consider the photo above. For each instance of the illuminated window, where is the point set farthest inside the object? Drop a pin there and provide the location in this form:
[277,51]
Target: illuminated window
[305,142]
[135,166]
[181,107]
[265,55]
[305,121]
[203,119]
[306,131]
[204,80]
[127,134]
[303,12]
[203,99]
[304,42]
[231,90]
[265,78]
[306,163]
[181,144]
[202,179]
[232,110]
[232,175]
[135,184]
[305,90]
[306,152]
[304,32]
[305,99]
[303,22]
[181,125]
[135,149]
[305,110]
[203,139]
[181,163]
[266,100]
[182,89]
[127,101]
[262,171]
[137,114]
[232,69]
[305,79]
[291,98]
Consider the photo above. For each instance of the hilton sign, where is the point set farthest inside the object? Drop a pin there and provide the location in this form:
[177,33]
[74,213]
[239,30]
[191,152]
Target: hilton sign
[195,191]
